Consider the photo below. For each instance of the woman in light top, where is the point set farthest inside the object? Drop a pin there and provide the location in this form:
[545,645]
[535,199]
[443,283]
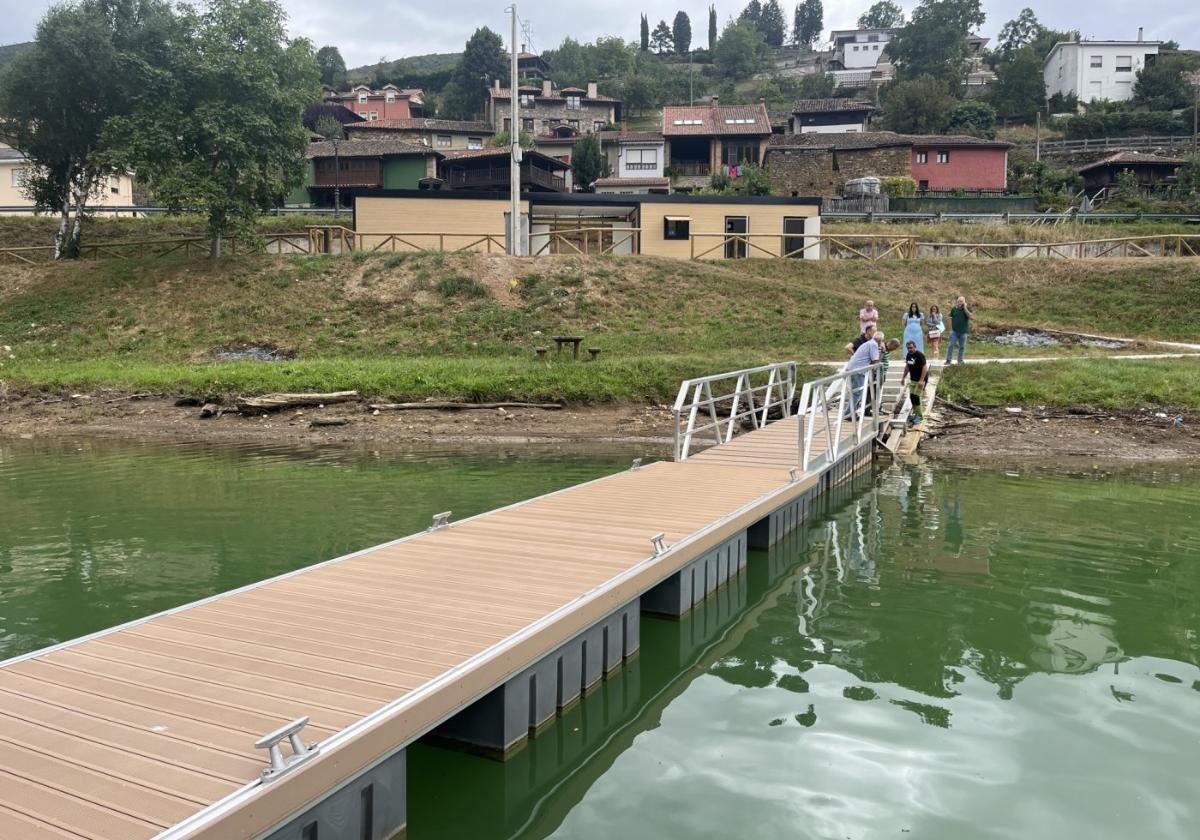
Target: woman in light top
[936,328]
[914,327]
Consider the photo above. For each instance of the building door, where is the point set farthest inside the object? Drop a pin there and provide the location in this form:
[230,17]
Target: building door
[793,237]
[735,249]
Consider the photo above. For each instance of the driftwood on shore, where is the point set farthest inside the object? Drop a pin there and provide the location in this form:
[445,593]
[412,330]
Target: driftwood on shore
[460,406]
[276,402]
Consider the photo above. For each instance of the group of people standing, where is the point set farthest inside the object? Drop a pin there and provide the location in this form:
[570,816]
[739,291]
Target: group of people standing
[871,346]
[920,327]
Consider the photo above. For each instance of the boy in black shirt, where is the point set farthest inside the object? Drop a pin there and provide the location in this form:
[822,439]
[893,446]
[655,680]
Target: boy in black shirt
[916,371]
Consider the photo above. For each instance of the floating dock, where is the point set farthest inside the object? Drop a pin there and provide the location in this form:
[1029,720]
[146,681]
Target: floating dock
[283,709]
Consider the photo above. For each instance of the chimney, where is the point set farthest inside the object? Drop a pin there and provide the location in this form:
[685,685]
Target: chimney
[716,101]
[496,84]
[1141,31]
[522,48]
[593,91]
[547,88]
[624,127]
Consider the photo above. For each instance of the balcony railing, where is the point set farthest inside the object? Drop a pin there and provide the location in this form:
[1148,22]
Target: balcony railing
[494,176]
[692,169]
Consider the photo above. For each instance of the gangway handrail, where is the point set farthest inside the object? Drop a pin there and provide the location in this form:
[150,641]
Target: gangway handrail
[745,401]
[819,396]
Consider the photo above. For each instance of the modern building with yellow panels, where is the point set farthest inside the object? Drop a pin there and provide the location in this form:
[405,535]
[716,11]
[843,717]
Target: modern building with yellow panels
[679,226]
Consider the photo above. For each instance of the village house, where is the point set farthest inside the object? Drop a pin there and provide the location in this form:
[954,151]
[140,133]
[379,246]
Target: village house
[114,191]
[1097,70]
[559,143]
[714,138]
[351,166]
[1153,173]
[830,116]
[444,135]
[487,170]
[821,164]
[546,107]
[636,161]
[860,57]
[387,103]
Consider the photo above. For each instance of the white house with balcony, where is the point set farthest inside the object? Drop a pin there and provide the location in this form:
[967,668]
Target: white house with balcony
[1097,70]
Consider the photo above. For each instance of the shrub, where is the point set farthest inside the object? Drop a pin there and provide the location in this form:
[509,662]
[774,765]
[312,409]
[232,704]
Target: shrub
[459,285]
[898,186]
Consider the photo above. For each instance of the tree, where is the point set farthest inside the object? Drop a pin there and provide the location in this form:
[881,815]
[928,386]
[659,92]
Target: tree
[88,65]
[1020,89]
[483,60]
[661,38]
[572,63]
[882,15]
[645,34]
[772,24]
[587,162]
[504,138]
[681,33]
[739,52]
[329,128]
[712,29]
[332,66]
[917,106]
[933,43]
[809,22]
[1019,32]
[222,134]
[641,93]
[752,14]
[1165,85]
[612,58]
[973,117]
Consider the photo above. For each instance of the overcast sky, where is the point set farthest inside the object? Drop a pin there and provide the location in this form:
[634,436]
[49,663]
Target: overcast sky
[366,30]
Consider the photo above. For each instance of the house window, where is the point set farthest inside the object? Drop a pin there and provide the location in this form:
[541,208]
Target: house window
[1124,64]
[362,115]
[597,125]
[641,159]
[114,186]
[374,116]
[943,157]
[923,186]
[677,227]
[734,154]
[856,47]
[391,97]
[527,125]
[362,99]
[474,142]
[526,100]
[1097,61]
[876,48]
[573,102]
[573,124]
[444,141]
[872,38]
[508,124]
[922,157]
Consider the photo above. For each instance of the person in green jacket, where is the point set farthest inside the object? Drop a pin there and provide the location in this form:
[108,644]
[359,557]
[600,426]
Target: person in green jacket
[960,328]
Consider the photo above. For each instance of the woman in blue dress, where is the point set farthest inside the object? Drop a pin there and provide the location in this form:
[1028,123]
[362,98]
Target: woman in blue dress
[914,327]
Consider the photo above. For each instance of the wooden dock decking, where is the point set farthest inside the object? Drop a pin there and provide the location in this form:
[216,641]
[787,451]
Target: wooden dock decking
[131,732]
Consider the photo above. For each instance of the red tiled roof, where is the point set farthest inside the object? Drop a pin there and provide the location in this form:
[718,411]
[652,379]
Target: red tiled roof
[425,124]
[876,140]
[630,137]
[707,120]
[827,106]
[632,182]
[1134,158]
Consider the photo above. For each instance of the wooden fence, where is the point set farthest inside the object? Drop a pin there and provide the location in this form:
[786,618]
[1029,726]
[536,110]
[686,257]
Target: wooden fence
[187,246]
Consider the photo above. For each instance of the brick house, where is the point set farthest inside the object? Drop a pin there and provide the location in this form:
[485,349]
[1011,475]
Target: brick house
[545,108]
[387,103]
[444,135]
[821,164]
[704,139]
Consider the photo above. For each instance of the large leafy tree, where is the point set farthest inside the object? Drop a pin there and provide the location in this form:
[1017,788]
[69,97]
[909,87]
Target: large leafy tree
[331,65]
[483,60]
[1020,88]
[681,33]
[933,43]
[973,117]
[220,132]
[882,15]
[752,14]
[918,106]
[1167,84]
[740,50]
[661,38]
[1022,30]
[587,162]
[772,23]
[572,62]
[89,64]
[809,22]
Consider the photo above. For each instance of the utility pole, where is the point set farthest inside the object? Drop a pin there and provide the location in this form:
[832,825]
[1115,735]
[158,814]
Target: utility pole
[514,167]
[337,180]
[691,89]
[1038,136]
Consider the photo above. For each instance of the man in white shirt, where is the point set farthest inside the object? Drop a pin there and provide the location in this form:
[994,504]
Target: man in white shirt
[866,355]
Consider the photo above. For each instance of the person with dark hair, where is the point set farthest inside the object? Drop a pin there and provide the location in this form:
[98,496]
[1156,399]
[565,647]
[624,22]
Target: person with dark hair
[914,326]
[916,371]
[868,334]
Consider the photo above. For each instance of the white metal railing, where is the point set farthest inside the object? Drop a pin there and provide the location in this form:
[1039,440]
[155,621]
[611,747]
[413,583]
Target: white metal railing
[828,404]
[716,405]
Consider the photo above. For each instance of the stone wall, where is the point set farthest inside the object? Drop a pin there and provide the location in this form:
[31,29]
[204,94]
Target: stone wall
[823,172]
[546,113]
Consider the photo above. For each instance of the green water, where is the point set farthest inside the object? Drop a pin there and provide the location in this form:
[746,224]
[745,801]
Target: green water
[942,653]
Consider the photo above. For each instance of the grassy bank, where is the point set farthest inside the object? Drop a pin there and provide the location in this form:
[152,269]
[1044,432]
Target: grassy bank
[1100,383]
[997,233]
[416,325]
[30,231]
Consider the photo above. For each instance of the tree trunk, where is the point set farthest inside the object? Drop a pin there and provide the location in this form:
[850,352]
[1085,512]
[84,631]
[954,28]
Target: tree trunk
[60,235]
[214,247]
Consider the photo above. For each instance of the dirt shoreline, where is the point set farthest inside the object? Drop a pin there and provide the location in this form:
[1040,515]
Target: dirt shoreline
[1034,434]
